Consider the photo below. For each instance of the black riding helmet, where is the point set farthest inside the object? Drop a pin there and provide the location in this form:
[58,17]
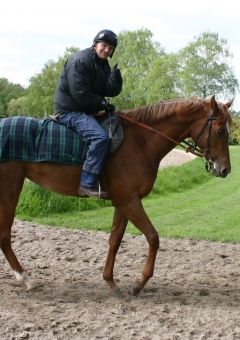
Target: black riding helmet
[107,36]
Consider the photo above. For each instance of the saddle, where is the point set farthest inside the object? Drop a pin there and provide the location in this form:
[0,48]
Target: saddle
[111,124]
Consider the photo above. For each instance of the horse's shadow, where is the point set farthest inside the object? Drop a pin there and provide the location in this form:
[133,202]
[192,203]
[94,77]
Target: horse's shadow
[193,294]
[171,293]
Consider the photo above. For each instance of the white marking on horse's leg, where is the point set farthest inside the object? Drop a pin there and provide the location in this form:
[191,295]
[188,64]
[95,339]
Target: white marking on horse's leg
[25,279]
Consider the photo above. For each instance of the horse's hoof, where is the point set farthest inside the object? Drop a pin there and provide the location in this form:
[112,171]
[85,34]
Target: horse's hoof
[116,293]
[31,285]
[136,289]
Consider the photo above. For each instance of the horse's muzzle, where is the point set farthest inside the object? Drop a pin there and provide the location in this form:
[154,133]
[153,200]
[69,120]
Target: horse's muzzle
[219,171]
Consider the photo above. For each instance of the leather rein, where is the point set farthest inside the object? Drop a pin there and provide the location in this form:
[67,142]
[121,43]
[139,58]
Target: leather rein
[188,147]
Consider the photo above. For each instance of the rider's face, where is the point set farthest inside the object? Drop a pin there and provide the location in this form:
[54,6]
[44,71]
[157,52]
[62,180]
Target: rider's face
[103,49]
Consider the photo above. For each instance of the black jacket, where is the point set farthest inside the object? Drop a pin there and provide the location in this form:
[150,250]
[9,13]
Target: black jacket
[85,81]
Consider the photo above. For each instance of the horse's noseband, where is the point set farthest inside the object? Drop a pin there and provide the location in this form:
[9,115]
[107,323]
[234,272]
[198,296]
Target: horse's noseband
[208,166]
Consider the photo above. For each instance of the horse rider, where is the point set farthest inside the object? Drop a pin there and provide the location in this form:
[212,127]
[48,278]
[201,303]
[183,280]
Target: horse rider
[86,80]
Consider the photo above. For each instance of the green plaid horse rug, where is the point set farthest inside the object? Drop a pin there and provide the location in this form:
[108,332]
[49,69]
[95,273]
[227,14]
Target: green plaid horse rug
[34,140]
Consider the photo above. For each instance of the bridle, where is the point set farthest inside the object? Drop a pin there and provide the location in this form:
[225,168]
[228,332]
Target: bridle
[187,146]
[207,150]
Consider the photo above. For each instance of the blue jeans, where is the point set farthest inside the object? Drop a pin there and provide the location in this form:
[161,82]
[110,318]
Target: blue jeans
[90,131]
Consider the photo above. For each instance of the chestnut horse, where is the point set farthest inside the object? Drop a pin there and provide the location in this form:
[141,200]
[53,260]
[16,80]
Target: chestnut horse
[129,174]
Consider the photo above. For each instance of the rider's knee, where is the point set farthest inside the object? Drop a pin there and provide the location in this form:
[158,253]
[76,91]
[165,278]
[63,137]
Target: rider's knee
[104,137]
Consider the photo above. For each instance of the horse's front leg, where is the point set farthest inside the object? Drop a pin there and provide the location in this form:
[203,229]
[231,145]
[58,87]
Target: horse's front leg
[118,228]
[135,212]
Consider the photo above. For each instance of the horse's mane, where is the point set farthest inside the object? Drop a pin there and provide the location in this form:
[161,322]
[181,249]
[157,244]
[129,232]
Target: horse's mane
[165,108]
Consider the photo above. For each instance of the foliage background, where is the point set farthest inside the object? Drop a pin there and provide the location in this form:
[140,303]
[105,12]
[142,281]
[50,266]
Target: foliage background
[202,68]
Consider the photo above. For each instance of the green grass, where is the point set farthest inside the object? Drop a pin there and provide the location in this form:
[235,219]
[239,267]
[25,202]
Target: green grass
[186,203]
[38,202]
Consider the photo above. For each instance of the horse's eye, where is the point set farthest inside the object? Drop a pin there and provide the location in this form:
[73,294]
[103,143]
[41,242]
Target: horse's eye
[222,131]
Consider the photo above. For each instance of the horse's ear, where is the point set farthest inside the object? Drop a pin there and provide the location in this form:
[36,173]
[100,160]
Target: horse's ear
[229,103]
[214,105]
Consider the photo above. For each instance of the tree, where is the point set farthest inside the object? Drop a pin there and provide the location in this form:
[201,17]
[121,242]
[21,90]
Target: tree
[205,67]
[2,109]
[9,91]
[201,68]
[135,54]
[43,85]
[163,79]
[17,107]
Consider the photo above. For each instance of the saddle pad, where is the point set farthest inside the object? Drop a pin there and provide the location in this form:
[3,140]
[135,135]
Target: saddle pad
[34,140]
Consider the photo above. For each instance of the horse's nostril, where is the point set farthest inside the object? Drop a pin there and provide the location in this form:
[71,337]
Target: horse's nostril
[225,172]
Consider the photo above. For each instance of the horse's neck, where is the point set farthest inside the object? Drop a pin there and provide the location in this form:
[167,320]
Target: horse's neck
[171,126]
[158,142]
[164,136]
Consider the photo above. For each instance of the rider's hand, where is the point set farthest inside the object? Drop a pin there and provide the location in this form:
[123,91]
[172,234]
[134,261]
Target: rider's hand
[105,105]
[116,73]
[99,113]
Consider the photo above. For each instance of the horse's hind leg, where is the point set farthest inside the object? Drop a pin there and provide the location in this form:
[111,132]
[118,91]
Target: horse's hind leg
[6,221]
[9,193]
[118,229]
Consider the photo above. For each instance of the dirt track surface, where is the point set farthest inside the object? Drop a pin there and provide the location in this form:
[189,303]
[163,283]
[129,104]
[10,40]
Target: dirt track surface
[176,157]
[194,294]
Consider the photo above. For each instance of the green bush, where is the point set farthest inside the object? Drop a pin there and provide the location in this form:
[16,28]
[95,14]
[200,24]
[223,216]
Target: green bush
[180,178]
[235,132]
